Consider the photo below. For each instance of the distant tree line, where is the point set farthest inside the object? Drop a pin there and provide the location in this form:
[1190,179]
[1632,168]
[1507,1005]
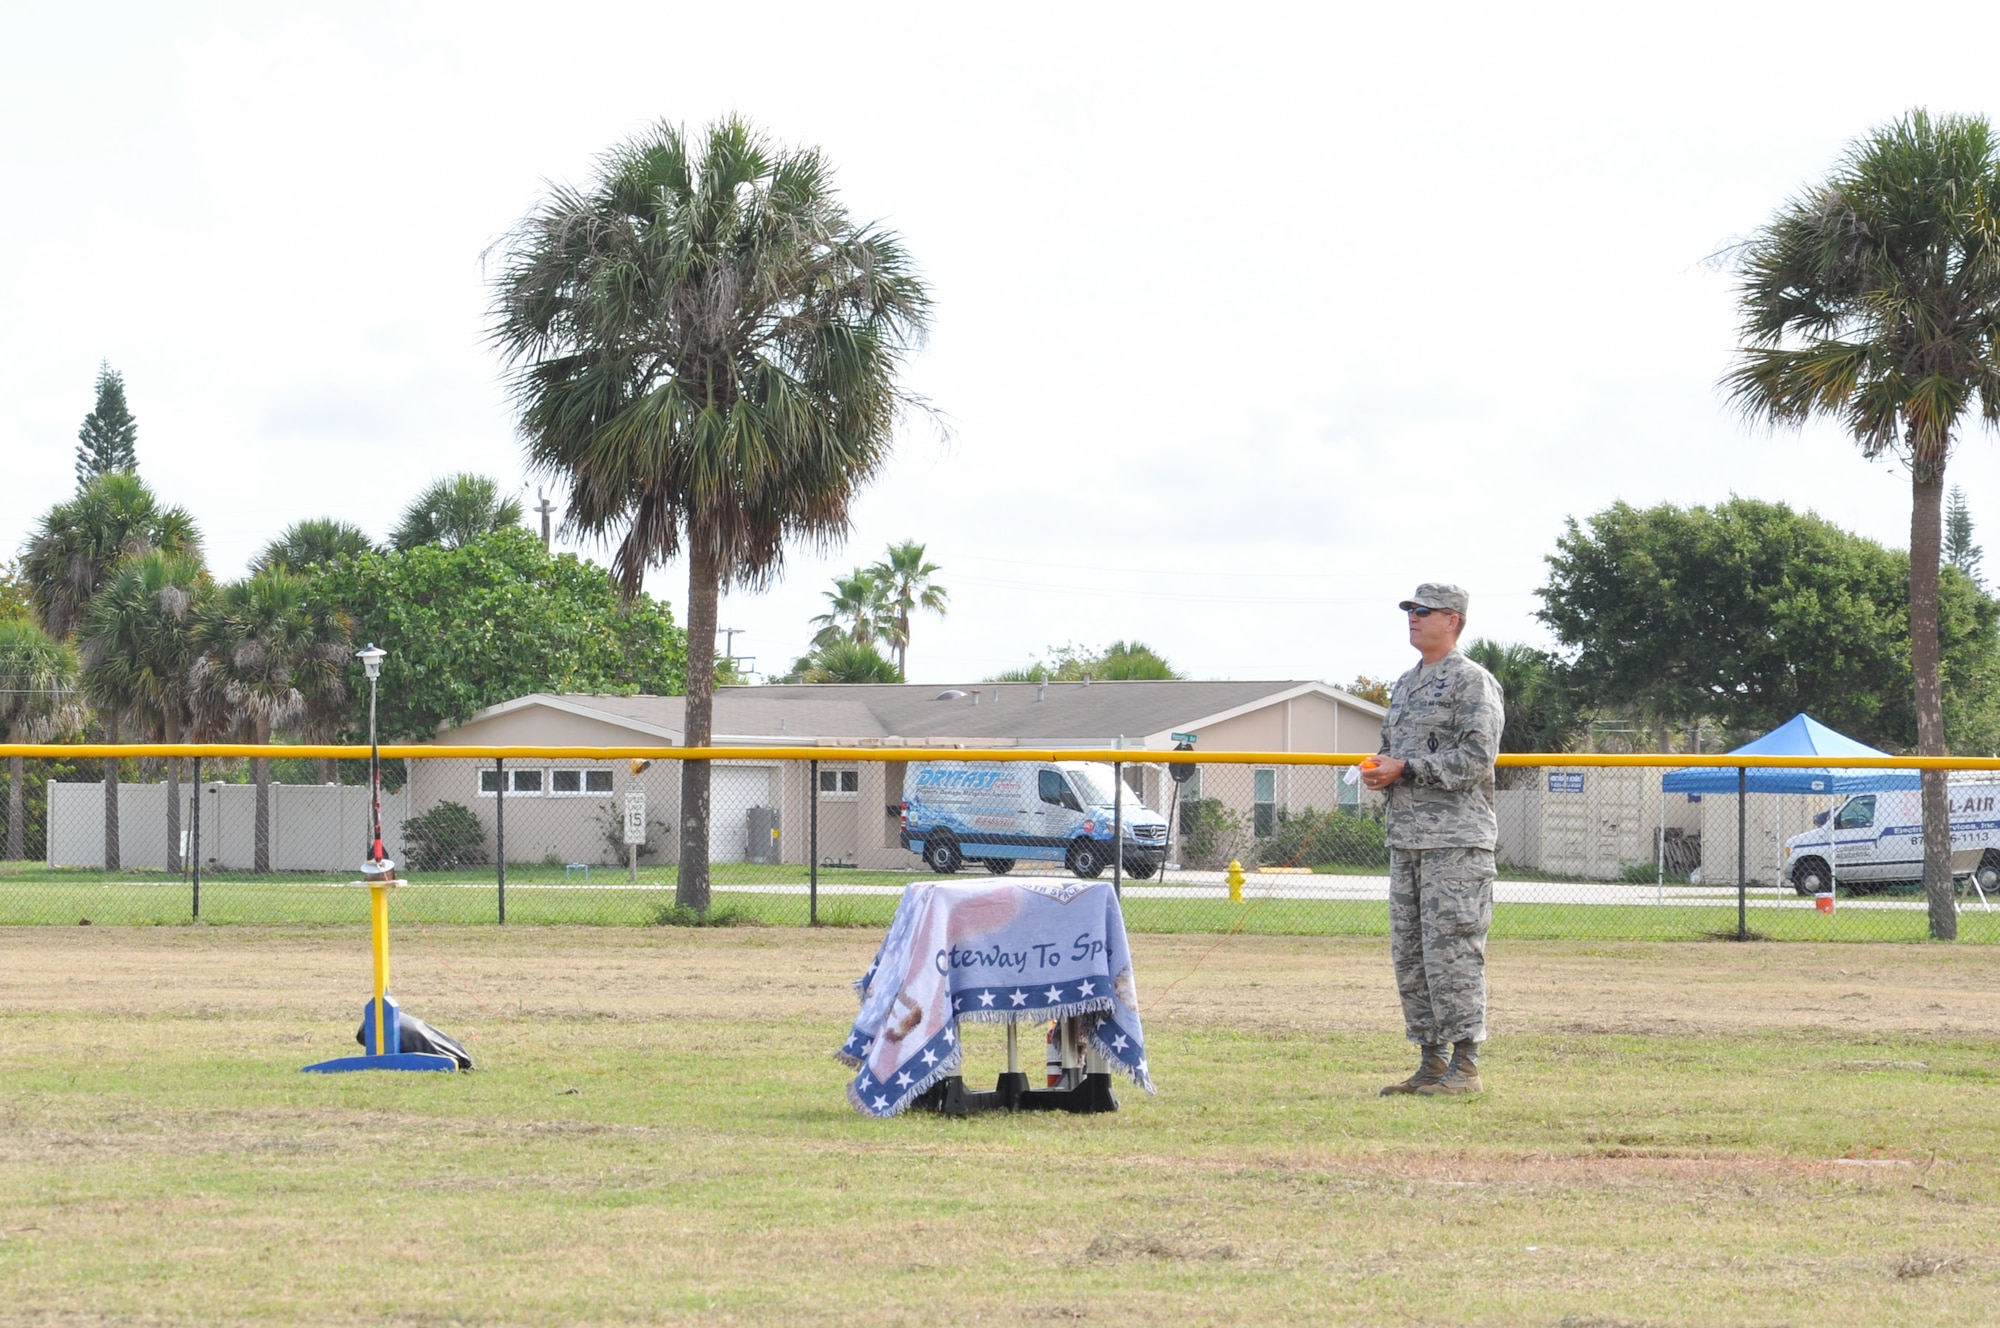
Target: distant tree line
[113,627]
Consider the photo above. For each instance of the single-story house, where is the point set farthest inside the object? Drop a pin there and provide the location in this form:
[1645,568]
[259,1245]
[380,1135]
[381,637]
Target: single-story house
[569,811]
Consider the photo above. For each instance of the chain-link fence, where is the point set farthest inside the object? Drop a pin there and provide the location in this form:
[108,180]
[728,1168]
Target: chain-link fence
[1588,847]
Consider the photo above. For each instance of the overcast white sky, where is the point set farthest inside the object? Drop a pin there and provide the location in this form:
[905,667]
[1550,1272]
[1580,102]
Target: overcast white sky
[1249,317]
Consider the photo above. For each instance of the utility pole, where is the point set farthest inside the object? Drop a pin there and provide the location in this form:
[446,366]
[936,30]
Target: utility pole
[729,647]
[545,508]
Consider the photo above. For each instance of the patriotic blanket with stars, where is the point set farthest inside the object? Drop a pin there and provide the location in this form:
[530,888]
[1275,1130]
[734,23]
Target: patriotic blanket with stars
[1022,950]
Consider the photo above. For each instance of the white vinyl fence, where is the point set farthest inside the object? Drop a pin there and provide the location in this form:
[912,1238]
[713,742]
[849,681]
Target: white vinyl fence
[314,827]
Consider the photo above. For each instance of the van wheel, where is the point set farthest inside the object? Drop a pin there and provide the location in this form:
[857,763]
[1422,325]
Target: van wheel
[1086,859]
[1809,876]
[999,866]
[1987,873]
[1142,872]
[942,856]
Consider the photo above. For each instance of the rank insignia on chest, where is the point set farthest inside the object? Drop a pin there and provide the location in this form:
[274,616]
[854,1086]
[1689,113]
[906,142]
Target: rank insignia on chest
[1434,742]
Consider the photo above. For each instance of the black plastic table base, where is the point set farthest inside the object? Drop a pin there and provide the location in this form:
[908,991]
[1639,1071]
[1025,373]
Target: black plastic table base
[950,1096]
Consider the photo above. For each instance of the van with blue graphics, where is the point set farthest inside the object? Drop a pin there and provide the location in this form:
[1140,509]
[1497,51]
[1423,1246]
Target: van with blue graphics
[1877,839]
[998,813]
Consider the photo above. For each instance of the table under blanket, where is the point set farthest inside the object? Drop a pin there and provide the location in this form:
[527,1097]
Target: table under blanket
[997,951]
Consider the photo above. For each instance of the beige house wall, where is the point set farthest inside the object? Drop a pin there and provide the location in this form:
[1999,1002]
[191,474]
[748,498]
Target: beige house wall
[548,828]
[862,828]
[1310,722]
[1259,731]
[542,726]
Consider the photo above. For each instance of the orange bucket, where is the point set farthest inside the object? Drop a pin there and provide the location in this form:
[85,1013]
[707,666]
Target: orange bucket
[1824,903]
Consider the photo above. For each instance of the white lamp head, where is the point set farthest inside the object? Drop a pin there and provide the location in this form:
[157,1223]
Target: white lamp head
[371,658]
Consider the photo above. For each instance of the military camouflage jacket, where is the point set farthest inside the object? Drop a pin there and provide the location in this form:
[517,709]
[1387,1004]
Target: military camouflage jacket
[1444,721]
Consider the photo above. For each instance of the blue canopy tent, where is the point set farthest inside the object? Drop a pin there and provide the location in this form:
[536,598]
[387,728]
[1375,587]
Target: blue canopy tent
[1801,735]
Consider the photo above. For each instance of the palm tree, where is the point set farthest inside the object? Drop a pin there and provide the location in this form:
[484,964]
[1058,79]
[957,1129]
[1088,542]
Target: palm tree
[906,583]
[847,661]
[706,348]
[138,648]
[1874,298]
[312,542]
[270,652]
[455,511]
[39,702]
[1541,709]
[80,541]
[856,610]
[113,517]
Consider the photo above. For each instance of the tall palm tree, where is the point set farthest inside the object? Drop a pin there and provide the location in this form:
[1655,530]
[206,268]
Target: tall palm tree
[269,651]
[78,542]
[311,542]
[706,348]
[138,648]
[906,583]
[857,611]
[39,702]
[1874,298]
[73,552]
[455,511]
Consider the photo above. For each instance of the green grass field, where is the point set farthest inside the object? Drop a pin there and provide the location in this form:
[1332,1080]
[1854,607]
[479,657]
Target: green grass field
[261,902]
[1672,1134]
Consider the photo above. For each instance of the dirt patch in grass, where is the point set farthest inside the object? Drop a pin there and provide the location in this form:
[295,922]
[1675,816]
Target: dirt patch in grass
[1246,983]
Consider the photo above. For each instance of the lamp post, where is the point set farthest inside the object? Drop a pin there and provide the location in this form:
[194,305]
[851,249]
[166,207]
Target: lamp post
[381,1020]
[371,657]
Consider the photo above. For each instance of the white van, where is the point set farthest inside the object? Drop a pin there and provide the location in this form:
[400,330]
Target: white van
[1000,812]
[1880,838]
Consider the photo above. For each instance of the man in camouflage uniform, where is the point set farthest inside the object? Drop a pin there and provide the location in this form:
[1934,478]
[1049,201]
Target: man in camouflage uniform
[1436,768]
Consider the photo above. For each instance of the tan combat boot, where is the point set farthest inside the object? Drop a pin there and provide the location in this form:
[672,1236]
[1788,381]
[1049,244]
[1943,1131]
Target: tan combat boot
[1429,1070]
[1460,1077]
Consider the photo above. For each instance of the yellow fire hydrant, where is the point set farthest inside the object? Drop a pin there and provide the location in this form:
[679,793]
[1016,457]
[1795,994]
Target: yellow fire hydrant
[1235,879]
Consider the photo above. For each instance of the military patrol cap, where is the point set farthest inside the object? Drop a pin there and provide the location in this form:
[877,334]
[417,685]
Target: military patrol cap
[1438,595]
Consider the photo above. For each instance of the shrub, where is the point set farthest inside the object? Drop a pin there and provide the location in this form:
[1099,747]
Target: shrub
[1212,834]
[1338,838]
[449,835]
[610,821]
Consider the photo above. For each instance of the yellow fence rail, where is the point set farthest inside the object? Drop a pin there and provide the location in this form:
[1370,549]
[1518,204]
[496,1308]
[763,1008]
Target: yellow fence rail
[1146,755]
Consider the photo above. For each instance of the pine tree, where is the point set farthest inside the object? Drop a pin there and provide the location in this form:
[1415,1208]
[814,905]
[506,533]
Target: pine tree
[1959,550]
[106,441]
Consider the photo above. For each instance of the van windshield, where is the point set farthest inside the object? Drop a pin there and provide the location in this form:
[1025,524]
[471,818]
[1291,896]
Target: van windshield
[1093,793]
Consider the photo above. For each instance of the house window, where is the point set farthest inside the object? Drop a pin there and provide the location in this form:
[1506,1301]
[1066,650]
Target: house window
[518,781]
[577,783]
[1264,802]
[836,782]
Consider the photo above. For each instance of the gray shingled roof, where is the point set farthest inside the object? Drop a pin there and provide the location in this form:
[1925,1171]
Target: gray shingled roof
[1070,714]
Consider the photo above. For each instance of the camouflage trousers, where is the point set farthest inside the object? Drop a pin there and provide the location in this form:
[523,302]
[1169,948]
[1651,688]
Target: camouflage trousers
[1440,905]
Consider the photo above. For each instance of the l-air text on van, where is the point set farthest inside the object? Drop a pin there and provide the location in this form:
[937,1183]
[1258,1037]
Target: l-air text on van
[1877,839]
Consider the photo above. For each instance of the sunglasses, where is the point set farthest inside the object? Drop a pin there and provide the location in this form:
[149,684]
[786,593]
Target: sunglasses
[1421,612]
